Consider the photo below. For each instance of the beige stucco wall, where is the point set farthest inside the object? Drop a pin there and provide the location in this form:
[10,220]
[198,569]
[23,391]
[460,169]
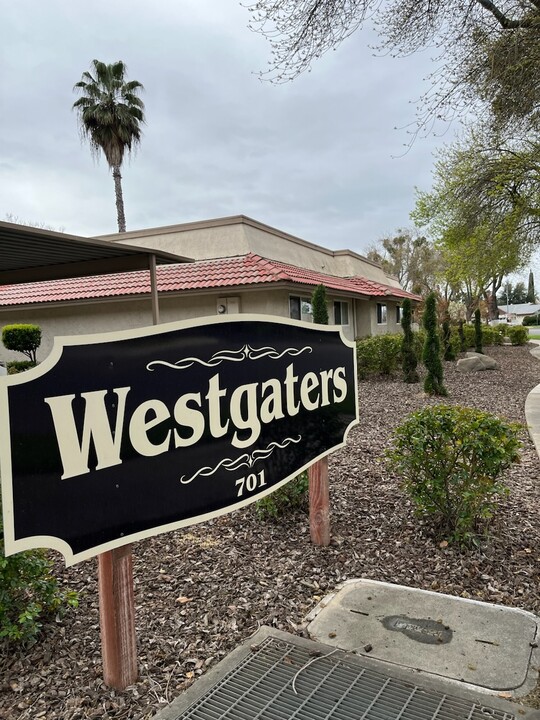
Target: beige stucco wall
[106,315]
[240,236]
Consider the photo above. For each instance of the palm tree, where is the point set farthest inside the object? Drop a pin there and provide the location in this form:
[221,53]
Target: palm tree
[110,115]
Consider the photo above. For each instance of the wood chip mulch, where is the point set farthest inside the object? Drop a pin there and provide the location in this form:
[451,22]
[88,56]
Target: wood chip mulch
[202,591]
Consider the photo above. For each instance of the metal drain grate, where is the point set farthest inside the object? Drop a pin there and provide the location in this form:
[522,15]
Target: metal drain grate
[330,688]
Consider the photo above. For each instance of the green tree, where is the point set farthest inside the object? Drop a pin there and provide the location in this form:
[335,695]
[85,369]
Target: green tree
[512,294]
[488,50]
[531,294]
[478,345]
[110,114]
[410,257]
[431,356]
[22,338]
[409,360]
[318,304]
[481,231]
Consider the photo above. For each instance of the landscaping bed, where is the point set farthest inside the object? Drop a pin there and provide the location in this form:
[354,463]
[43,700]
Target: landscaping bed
[201,591]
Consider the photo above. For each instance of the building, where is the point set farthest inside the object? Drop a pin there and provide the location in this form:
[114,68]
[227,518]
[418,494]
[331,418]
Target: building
[240,266]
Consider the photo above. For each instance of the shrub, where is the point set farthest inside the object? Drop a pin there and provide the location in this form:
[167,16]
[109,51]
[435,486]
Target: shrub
[28,593]
[491,335]
[409,359]
[531,320]
[478,331]
[461,336]
[291,496]
[22,338]
[433,384]
[518,334]
[450,459]
[378,355]
[318,304]
[16,366]
[449,352]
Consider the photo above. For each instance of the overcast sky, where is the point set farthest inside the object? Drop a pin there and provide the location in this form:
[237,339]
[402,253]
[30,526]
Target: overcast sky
[319,158]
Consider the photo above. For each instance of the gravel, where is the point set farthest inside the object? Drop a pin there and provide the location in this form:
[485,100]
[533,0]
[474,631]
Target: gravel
[200,592]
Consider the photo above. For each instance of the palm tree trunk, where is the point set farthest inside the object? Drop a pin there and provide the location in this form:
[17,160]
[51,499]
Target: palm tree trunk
[120,215]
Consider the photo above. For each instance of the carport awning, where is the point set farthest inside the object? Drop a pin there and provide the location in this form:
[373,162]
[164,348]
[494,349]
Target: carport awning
[30,254]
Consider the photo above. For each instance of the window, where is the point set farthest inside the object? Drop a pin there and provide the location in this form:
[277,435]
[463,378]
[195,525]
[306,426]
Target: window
[300,308]
[399,314]
[341,312]
[381,314]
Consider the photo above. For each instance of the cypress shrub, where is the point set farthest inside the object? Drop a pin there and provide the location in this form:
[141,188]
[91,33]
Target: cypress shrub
[449,353]
[462,341]
[409,360]
[318,304]
[431,356]
[478,331]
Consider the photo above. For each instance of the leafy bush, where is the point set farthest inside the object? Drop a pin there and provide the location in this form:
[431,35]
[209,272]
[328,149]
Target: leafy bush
[22,338]
[531,320]
[17,366]
[461,337]
[380,354]
[450,459]
[492,335]
[518,334]
[28,593]
[291,496]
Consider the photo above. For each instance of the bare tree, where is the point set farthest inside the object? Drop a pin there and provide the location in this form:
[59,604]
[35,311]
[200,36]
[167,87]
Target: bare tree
[489,51]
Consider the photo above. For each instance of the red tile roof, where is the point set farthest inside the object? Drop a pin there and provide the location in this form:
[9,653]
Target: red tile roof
[243,270]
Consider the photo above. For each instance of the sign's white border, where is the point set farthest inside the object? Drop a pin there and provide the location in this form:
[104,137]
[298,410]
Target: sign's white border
[13,546]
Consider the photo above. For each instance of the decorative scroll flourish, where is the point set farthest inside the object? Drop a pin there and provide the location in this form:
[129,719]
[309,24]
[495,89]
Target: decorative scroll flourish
[246,459]
[245,353]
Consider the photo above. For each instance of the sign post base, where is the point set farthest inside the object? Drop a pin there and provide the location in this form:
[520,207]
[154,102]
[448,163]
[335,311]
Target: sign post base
[319,512]
[117,617]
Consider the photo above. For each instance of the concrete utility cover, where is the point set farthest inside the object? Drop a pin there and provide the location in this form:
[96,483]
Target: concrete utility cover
[486,645]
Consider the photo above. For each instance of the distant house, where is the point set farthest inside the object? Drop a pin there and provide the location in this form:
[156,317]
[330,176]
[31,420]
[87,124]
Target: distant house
[515,314]
[241,266]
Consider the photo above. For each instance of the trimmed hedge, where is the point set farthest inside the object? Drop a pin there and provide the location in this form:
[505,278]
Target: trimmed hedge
[379,355]
[518,334]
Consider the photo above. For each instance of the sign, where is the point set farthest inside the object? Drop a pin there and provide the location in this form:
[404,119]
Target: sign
[120,436]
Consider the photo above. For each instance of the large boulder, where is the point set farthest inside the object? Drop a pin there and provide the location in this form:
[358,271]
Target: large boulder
[474,362]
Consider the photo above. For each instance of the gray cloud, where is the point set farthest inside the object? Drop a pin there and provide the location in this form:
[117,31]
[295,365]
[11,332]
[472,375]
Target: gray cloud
[318,158]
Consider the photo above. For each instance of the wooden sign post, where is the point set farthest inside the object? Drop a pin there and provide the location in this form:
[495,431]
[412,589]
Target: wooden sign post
[117,617]
[319,503]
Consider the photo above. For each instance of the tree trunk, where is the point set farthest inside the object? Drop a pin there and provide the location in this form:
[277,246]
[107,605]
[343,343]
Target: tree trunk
[120,215]
[493,309]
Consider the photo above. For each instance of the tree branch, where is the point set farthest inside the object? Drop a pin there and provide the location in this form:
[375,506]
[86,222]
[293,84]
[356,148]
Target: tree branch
[504,21]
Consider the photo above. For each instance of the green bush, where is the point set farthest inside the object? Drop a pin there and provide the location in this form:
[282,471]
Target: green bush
[28,593]
[531,320]
[22,338]
[378,355]
[291,496]
[16,366]
[450,459]
[518,334]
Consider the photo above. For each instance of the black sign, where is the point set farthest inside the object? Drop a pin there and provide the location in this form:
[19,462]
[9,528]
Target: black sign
[120,436]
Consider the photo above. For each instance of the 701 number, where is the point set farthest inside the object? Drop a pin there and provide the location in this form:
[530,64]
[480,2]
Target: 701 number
[250,483]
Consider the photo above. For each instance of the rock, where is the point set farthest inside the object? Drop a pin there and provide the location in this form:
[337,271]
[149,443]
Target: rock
[467,365]
[473,362]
